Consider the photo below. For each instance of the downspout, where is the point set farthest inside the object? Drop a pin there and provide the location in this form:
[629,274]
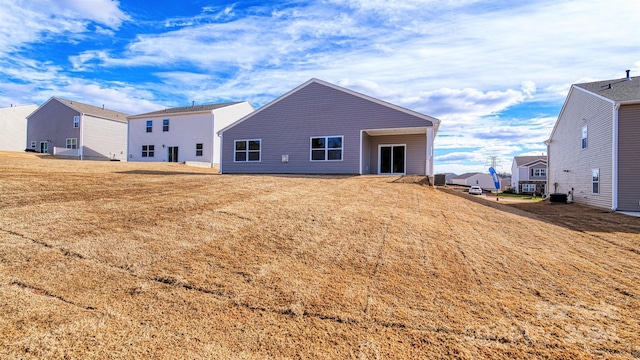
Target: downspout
[361,151]
[614,165]
[213,138]
[81,145]
[221,154]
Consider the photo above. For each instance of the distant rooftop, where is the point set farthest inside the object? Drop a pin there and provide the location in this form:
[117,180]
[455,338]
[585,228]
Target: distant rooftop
[523,160]
[186,109]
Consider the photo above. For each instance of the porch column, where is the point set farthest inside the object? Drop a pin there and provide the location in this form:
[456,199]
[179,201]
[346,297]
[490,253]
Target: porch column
[430,138]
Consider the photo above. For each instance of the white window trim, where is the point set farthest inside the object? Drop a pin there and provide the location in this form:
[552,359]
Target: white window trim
[247,151]
[34,144]
[535,188]
[380,146]
[147,127]
[593,182]
[76,122]
[168,124]
[326,149]
[148,150]
[201,149]
[584,137]
[67,143]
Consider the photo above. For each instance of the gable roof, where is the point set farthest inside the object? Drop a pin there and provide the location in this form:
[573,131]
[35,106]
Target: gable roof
[526,160]
[96,111]
[185,110]
[435,122]
[467,175]
[618,90]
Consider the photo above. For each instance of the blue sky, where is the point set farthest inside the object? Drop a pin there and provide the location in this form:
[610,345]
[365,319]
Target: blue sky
[495,72]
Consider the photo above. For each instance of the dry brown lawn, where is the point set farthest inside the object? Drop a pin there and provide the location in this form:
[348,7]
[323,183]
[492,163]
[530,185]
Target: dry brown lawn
[132,260]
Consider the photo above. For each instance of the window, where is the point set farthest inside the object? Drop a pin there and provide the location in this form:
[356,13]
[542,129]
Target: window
[165,125]
[247,150]
[538,172]
[595,179]
[198,149]
[33,144]
[328,148]
[148,150]
[584,137]
[149,125]
[528,188]
[72,143]
[76,121]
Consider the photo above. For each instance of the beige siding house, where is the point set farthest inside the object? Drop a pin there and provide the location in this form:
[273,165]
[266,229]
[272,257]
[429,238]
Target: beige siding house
[593,148]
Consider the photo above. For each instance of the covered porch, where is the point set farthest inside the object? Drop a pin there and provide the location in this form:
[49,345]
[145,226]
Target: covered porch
[397,151]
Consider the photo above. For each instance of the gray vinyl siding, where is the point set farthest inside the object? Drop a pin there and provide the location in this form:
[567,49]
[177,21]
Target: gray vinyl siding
[628,160]
[415,151]
[52,122]
[569,165]
[285,128]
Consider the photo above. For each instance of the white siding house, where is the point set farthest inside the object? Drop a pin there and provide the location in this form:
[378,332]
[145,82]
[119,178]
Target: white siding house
[184,134]
[529,174]
[485,181]
[593,148]
[13,122]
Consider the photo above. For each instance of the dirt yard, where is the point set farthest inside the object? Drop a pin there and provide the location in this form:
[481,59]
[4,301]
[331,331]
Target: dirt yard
[131,260]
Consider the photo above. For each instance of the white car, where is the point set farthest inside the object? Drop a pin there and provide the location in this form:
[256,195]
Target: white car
[475,190]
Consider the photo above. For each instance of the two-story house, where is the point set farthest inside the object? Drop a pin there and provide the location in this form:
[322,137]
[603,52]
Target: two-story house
[593,148]
[73,129]
[529,174]
[183,134]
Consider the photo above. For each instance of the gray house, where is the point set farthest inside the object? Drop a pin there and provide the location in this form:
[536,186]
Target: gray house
[72,129]
[593,148]
[321,128]
[529,174]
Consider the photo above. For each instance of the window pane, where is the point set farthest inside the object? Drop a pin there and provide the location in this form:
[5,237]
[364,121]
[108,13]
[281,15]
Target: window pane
[317,143]
[254,145]
[144,148]
[151,147]
[165,122]
[150,153]
[335,155]
[334,143]
[198,146]
[241,145]
[317,154]
[595,174]
[241,156]
[398,159]
[385,160]
[254,156]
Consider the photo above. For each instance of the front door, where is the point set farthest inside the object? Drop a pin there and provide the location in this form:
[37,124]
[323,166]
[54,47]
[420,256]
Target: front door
[392,159]
[173,154]
[44,147]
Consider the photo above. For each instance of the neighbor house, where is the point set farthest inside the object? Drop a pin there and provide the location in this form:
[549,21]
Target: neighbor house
[183,134]
[322,128]
[593,148]
[72,129]
[529,174]
[13,122]
[485,181]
